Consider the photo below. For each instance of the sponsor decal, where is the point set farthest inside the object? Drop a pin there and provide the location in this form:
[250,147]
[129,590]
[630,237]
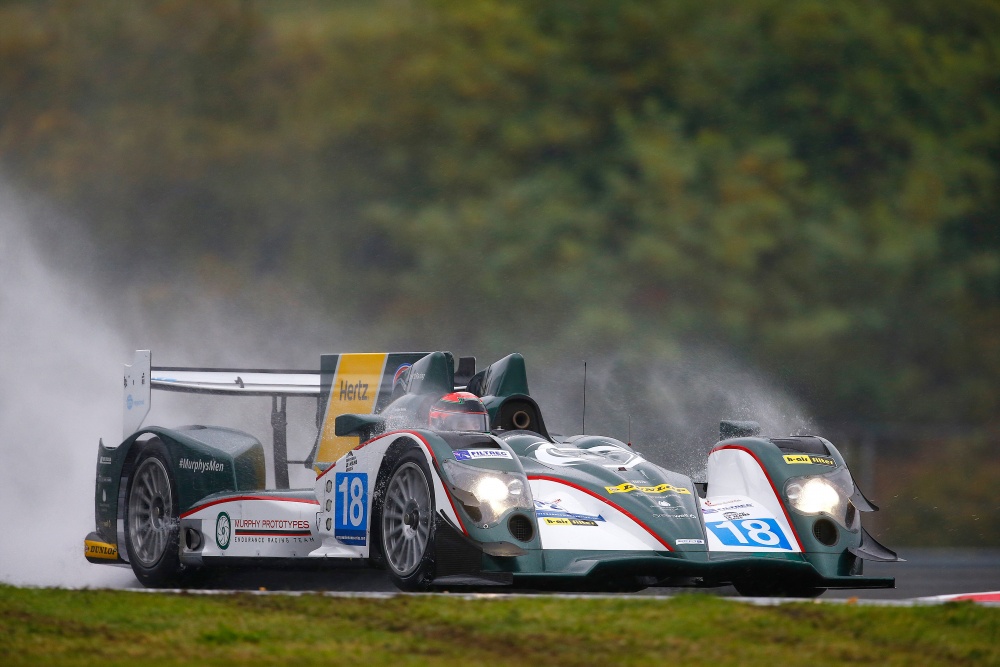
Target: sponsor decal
[674,516]
[275,527]
[732,516]
[607,456]
[354,390]
[273,531]
[808,458]
[672,509]
[223,530]
[659,488]
[709,510]
[101,550]
[349,463]
[470,454]
[105,460]
[351,512]
[689,541]
[400,375]
[544,509]
[554,521]
[723,503]
[201,465]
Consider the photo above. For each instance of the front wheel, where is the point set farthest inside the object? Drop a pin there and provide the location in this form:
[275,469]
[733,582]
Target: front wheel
[152,519]
[407,523]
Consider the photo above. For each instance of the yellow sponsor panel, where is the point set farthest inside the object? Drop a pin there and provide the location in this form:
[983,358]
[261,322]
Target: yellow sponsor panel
[354,391]
[104,550]
[621,488]
[659,488]
[806,458]
[569,522]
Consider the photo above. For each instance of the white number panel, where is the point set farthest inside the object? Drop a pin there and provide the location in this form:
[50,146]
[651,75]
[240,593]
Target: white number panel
[737,523]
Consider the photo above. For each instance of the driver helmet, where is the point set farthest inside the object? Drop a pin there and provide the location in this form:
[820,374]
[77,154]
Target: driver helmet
[459,411]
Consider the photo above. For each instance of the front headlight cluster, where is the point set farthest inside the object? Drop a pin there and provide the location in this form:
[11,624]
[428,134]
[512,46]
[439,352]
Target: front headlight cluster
[827,494]
[487,494]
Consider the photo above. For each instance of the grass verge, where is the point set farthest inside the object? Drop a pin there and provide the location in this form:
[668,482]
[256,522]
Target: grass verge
[101,627]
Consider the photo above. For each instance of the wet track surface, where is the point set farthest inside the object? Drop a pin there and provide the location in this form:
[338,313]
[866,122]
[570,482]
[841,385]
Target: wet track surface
[926,572]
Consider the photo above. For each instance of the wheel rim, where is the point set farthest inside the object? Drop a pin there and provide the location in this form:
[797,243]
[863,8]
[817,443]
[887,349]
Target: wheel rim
[406,519]
[150,512]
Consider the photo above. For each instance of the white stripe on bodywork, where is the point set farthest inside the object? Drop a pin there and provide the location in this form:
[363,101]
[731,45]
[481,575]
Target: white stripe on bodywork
[617,532]
[736,478]
[257,509]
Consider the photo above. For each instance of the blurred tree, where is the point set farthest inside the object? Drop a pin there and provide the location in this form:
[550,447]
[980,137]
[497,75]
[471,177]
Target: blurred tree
[810,186]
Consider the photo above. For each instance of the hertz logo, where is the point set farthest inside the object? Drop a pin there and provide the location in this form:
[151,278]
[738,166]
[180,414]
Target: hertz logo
[659,488]
[806,458]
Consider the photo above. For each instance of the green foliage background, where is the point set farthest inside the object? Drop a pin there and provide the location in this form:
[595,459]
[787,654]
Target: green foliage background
[812,187]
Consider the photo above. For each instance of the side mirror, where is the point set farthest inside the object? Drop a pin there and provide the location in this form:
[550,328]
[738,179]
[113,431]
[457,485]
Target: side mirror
[360,425]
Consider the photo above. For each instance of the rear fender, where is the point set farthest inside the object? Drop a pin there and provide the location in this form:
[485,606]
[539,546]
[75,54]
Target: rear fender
[203,461]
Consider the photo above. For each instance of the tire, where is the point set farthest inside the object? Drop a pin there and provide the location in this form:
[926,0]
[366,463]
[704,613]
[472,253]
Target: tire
[152,523]
[406,523]
[777,589]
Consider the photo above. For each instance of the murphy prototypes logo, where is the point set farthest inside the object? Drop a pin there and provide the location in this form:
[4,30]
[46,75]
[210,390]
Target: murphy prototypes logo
[806,458]
[223,530]
[201,465]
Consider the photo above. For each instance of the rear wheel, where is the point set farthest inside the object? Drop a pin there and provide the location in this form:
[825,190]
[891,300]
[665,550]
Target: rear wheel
[407,523]
[152,519]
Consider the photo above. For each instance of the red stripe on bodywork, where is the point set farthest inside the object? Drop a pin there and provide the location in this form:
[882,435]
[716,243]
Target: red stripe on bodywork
[777,496]
[239,498]
[607,502]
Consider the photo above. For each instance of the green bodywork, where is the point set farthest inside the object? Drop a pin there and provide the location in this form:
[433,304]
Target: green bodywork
[210,462]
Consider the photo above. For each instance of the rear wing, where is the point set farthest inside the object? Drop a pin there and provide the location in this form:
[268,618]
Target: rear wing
[344,383]
[141,377]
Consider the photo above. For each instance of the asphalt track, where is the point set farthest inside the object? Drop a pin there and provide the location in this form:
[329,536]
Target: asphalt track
[927,573]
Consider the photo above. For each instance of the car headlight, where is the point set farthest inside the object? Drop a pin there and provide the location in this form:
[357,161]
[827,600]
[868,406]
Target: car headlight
[827,494]
[487,494]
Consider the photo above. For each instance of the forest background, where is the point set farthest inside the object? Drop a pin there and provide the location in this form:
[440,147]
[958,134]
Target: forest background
[804,189]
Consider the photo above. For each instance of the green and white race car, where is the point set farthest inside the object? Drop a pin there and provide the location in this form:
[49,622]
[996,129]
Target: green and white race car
[448,478]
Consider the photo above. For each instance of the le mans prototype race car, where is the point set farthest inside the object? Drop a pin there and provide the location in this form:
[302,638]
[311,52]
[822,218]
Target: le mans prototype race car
[447,478]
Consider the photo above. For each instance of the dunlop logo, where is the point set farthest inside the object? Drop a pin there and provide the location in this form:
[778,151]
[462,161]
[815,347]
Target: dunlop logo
[100,550]
[659,488]
[806,458]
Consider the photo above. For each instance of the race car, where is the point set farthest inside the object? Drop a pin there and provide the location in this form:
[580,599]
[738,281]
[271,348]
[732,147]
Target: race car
[448,478]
